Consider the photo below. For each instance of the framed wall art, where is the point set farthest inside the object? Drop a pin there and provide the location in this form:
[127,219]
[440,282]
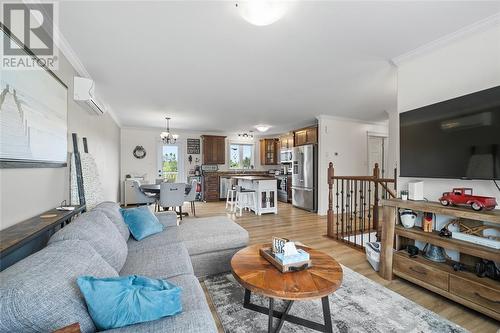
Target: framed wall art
[33,117]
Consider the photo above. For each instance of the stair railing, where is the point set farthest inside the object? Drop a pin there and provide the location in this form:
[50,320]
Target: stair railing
[353,205]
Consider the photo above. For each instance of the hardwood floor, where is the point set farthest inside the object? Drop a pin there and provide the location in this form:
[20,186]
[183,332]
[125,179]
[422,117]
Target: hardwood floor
[310,229]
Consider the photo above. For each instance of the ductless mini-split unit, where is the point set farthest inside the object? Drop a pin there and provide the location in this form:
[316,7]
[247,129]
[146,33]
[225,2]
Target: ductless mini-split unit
[84,94]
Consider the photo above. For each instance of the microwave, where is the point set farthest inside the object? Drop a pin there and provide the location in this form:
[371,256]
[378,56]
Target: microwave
[286,156]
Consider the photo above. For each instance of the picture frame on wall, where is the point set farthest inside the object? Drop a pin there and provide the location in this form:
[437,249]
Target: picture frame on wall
[34,116]
[193,146]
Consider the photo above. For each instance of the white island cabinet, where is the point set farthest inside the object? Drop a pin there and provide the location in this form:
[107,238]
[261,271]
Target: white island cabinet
[266,192]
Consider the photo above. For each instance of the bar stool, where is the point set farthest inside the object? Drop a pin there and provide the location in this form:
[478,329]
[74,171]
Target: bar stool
[231,198]
[245,199]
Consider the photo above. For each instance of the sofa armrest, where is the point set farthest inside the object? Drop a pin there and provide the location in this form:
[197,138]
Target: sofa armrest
[168,219]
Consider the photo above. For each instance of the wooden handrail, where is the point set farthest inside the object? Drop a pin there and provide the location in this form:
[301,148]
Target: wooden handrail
[354,177]
[384,185]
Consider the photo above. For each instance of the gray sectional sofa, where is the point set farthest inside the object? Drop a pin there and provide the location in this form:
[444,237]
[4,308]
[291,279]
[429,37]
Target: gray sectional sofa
[40,294]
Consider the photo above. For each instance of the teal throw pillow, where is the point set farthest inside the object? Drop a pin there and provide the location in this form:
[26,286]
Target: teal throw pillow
[141,222]
[120,301]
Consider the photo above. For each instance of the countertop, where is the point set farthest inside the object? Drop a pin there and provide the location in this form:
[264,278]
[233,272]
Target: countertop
[239,172]
[254,178]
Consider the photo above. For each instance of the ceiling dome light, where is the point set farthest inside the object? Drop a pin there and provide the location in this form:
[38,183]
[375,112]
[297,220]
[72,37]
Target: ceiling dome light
[262,12]
[262,128]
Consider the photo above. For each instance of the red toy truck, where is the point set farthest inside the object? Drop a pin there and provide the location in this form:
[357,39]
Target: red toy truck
[463,196]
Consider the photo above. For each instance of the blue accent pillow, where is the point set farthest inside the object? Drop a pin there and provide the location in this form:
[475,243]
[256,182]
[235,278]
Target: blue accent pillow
[141,222]
[121,301]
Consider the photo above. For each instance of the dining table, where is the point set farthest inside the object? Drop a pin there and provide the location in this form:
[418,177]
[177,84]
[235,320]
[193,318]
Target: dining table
[155,188]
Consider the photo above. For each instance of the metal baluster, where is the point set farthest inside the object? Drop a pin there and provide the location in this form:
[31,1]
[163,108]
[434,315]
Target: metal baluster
[355,211]
[362,205]
[369,210]
[348,209]
[343,209]
[337,208]
[349,194]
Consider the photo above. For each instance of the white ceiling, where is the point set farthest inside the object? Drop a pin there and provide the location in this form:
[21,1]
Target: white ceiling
[207,68]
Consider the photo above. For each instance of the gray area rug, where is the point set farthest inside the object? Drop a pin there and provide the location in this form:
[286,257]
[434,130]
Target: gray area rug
[360,305]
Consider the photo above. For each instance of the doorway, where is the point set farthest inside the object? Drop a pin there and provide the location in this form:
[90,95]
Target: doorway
[172,163]
[377,153]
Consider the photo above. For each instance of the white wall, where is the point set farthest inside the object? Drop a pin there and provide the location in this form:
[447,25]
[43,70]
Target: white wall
[27,192]
[149,138]
[348,139]
[463,66]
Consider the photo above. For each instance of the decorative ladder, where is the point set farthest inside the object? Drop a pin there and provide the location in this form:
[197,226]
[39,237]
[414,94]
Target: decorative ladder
[353,205]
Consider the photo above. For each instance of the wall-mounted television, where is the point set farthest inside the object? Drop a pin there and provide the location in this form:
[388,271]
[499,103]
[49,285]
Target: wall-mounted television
[458,138]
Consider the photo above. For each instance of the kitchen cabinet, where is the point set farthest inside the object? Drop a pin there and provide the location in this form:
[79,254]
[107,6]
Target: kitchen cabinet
[306,136]
[286,141]
[266,193]
[214,149]
[269,151]
[289,188]
[210,186]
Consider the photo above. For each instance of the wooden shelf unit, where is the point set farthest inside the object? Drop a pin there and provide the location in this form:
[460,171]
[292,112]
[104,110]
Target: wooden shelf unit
[480,294]
[461,246]
[437,208]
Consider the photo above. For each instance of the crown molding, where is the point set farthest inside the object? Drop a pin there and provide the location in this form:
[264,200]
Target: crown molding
[352,120]
[440,42]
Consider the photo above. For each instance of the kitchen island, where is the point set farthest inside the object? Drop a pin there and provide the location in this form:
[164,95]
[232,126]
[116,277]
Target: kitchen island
[266,192]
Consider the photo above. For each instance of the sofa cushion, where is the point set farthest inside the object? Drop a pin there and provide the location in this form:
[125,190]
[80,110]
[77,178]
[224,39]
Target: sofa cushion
[158,262]
[195,317]
[211,234]
[40,294]
[212,263]
[168,219]
[112,211]
[169,235]
[95,228]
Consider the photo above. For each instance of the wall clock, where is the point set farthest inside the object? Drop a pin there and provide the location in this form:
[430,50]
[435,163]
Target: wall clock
[139,152]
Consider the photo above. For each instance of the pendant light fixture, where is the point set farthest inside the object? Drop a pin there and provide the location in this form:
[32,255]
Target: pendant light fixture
[166,136]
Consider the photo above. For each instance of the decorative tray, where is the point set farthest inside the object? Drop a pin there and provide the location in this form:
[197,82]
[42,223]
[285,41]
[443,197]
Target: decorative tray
[268,254]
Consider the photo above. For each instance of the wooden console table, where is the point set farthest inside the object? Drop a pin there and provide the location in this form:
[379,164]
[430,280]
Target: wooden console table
[21,234]
[480,294]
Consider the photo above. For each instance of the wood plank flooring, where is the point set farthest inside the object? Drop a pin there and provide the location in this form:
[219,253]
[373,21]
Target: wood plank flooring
[310,229]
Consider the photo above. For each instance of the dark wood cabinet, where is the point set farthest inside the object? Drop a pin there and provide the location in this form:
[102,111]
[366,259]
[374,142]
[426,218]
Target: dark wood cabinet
[306,136]
[214,149]
[210,186]
[269,151]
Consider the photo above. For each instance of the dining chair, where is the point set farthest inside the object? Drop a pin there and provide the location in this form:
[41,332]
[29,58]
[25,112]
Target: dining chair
[172,195]
[191,196]
[135,195]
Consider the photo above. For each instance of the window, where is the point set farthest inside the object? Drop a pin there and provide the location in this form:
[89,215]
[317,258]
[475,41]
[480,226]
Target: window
[241,156]
[170,162]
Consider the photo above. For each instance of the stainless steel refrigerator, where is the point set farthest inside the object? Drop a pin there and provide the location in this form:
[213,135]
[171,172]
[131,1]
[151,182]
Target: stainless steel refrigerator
[304,177]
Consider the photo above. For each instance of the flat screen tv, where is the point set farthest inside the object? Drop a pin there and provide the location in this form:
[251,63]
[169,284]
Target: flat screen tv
[458,138]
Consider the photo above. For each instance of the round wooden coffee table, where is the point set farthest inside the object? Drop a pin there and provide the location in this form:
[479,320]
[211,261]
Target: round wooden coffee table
[258,275]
